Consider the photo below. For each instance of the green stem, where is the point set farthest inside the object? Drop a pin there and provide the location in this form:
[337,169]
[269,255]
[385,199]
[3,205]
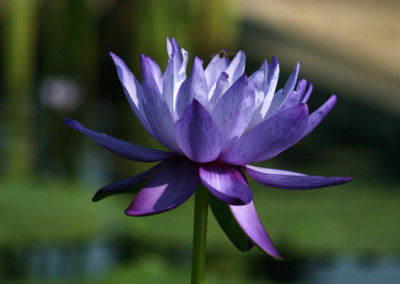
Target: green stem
[200,235]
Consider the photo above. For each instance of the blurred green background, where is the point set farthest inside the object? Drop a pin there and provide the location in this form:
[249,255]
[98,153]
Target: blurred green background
[54,64]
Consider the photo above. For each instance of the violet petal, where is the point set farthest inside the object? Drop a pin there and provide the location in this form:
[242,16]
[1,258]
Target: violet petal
[120,147]
[175,73]
[279,100]
[129,185]
[133,91]
[226,183]
[213,70]
[195,87]
[236,67]
[269,138]
[172,186]
[291,180]
[248,220]
[221,86]
[156,109]
[318,115]
[197,134]
[234,110]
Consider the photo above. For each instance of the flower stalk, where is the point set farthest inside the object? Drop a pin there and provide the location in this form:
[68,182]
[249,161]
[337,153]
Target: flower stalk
[200,236]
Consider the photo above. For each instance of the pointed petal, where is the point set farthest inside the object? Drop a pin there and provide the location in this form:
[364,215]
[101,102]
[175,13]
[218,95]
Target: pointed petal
[229,225]
[317,116]
[258,77]
[248,220]
[195,87]
[129,185]
[197,134]
[122,148]
[269,138]
[213,70]
[295,97]
[291,180]
[156,109]
[234,110]
[279,100]
[291,82]
[271,80]
[221,86]
[175,73]
[226,183]
[236,67]
[266,79]
[307,94]
[172,186]
[133,91]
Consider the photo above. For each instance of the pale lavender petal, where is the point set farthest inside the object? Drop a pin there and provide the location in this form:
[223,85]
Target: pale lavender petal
[236,67]
[234,110]
[267,89]
[279,100]
[195,87]
[122,148]
[295,97]
[291,82]
[307,94]
[258,80]
[226,183]
[248,220]
[317,116]
[197,134]
[175,73]
[156,71]
[129,185]
[269,138]
[172,186]
[221,86]
[291,180]
[272,76]
[133,91]
[174,49]
[156,109]
[213,70]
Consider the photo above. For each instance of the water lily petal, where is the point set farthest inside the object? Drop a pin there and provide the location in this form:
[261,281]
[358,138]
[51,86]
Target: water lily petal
[121,148]
[236,67]
[172,186]
[272,76]
[307,94]
[269,138]
[175,73]
[156,109]
[291,82]
[217,65]
[133,91]
[248,220]
[225,183]
[318,115]
[129,185]
[291,180]
[197,134]
[279,100]
[227,222]
[266,79]
[221,86]
[295,97]
[234,110]
[195,87]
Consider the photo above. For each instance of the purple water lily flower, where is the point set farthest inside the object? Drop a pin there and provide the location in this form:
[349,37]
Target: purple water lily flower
[216,122]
